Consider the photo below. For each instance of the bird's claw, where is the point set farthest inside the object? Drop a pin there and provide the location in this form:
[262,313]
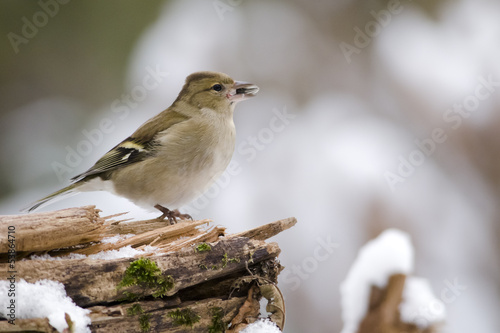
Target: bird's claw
[172,215]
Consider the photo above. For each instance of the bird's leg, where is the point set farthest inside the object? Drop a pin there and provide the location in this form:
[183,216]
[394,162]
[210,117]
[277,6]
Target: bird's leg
[171,214]
[166,213]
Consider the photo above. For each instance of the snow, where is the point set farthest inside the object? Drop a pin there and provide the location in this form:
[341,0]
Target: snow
[390,253]
[262,326]
[124,252]
[46,298]
[46,256]
[419,305]
[115,239]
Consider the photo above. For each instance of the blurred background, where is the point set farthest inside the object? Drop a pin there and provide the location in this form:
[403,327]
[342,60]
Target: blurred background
[371,114]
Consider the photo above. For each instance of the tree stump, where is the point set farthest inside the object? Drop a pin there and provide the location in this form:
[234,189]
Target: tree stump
[201,280]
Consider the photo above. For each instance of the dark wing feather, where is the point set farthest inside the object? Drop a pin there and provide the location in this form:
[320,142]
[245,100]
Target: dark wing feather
[127,152]
[135,148]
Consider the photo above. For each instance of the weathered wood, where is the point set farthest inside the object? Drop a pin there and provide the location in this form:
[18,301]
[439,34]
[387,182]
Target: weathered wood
[134,227]
[269,230]
[28,325]
[117,318]
[89,282]
[208,236]
[383,313]
[160,320]
[166,234]
[52,230]
[82,227]
[204,277]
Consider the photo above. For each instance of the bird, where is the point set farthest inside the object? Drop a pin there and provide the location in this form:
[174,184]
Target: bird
[173,157]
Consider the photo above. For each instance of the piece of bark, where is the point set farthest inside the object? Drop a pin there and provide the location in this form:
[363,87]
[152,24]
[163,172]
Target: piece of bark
[89,282]
[160,320]
[52,230]
[269,230]
[208,236]
[135,227]
[28,325]
[166,234]
[383,313]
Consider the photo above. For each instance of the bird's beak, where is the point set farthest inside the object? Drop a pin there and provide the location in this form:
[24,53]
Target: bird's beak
[241,91]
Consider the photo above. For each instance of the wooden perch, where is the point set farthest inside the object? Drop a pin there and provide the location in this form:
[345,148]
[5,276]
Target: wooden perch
[53,230]
[200,268]
[90,282]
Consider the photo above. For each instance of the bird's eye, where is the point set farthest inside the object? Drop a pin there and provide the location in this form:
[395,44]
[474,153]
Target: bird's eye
[217,87]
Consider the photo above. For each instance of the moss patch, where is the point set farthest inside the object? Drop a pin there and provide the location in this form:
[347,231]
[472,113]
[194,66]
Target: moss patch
[202,247]
[226,260]
[146,274]
[217,325]
[185,317]
[144,322]
[136,309]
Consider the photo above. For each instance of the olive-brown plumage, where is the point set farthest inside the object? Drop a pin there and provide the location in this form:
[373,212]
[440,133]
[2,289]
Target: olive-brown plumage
[176,155]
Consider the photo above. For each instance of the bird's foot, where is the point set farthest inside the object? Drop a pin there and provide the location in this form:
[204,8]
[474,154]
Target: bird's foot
[172,215]
[182,216]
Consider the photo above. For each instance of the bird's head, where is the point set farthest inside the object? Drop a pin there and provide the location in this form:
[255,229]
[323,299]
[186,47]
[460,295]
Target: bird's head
[214,90]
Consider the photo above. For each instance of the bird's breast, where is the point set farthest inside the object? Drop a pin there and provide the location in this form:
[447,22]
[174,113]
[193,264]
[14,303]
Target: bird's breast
[189,157]
[216,147]
[202,153]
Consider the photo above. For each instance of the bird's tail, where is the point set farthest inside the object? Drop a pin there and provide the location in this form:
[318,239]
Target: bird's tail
[51,198]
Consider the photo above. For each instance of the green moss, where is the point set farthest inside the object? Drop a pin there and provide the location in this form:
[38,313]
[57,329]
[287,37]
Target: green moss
[144,322]
[226,260]
[136,309]
[202,247]
[185,317]
[146,274]
[217,324]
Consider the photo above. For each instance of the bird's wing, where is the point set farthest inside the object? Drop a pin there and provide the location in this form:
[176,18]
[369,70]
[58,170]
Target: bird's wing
[135,148]
[127,152]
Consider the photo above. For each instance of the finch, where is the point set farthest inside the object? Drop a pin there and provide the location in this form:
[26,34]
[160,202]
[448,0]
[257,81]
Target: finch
[175,156]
